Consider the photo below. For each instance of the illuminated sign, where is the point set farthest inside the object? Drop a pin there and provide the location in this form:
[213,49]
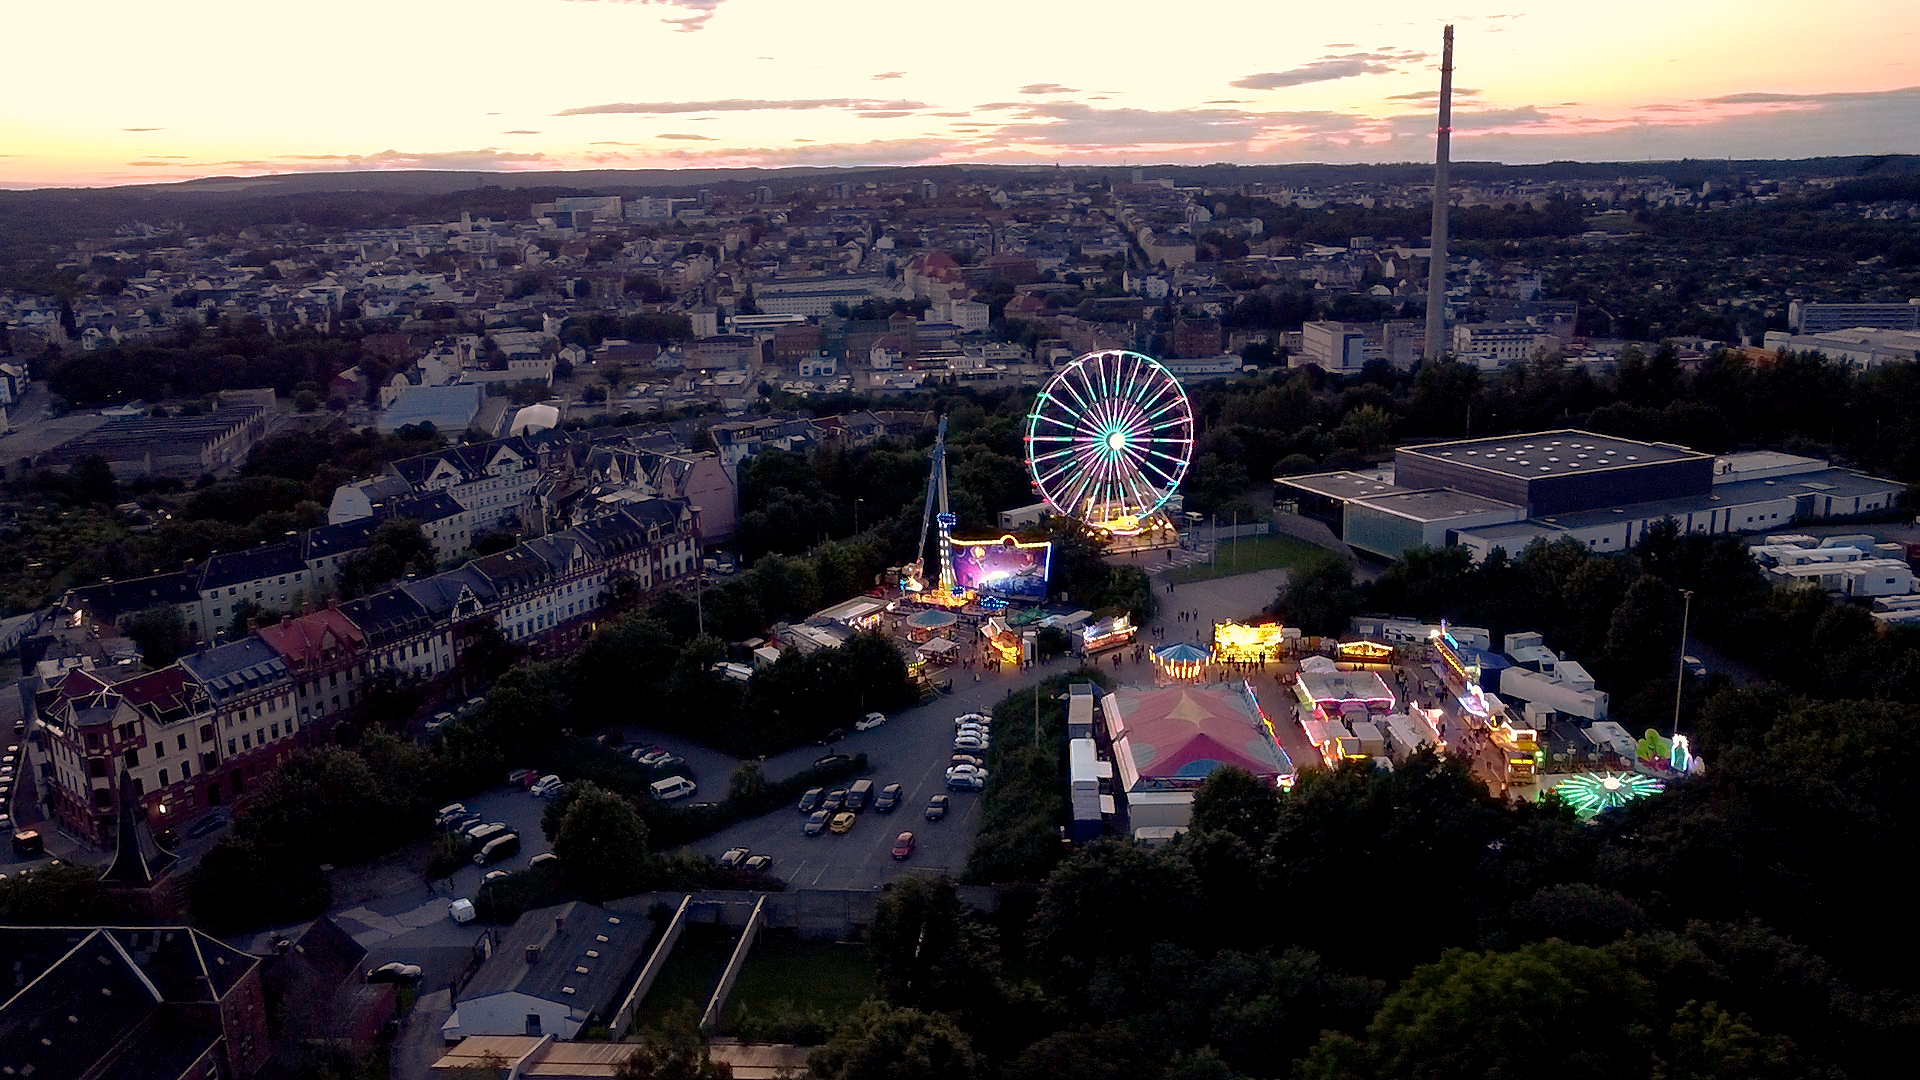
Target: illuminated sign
[1003,567]
[1366,652]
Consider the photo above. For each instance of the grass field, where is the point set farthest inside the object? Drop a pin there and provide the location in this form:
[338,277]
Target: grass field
[692,971]
[1253,553]
[807,974]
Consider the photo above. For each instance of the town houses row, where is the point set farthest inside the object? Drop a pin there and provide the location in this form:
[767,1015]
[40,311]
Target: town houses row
[195,733]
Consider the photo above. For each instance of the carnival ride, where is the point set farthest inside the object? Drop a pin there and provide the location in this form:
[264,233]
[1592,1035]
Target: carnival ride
[914,577]
[1109,440]
[1591,793]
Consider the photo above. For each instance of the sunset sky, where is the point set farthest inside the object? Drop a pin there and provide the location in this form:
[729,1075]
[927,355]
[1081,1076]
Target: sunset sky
[111,92]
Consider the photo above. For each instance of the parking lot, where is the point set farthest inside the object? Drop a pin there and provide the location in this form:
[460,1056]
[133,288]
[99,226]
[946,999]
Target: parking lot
[913,749]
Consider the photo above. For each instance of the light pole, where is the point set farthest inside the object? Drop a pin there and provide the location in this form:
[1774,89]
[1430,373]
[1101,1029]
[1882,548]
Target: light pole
[856,516]
[1680,677]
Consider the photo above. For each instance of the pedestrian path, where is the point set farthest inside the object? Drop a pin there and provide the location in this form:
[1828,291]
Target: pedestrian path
[1182,557]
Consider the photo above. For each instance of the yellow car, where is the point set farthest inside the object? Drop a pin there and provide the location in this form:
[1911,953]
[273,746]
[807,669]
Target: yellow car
[842,822]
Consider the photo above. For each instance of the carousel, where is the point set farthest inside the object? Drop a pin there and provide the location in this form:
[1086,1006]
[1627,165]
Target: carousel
[1182,661]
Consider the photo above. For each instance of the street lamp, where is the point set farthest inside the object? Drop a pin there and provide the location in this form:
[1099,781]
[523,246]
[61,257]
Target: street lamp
[856,516]
[1680,677]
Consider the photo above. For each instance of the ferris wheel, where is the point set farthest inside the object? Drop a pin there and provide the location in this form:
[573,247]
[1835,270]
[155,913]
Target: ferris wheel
[1109,440]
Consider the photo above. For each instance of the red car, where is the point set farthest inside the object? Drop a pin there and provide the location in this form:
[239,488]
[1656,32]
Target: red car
[903,845]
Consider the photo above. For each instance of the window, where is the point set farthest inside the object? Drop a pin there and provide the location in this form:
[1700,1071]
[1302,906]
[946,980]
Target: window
[160,748]
[246,741]
[96,767]
[230,748]
[533,1024]
[133,757]
[183,743]
[163,778]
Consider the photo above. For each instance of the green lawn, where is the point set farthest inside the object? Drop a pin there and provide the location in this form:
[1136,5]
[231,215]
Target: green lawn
[692,971]
[809,974]
[1254,553]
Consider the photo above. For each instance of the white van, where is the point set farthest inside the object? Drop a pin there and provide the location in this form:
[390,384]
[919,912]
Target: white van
[673,787]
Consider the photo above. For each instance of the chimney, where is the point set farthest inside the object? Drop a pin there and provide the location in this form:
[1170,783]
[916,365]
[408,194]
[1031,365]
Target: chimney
[533,954]
[559,925]
[1437,268]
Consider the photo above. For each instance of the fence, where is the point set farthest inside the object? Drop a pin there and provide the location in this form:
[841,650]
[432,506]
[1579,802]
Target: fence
[711,1018]
[651,971]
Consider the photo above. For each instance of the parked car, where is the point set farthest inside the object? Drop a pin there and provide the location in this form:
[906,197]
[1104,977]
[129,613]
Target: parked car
[1694,667]
[858,793]
[673,787]
[810,801]
[440,720]
[760,864]
[461,910]
[734,857]
[842,822]
[889,798]
[547,787]
[500,847]
[966,759]
[903,845]
[542,859]
[870,721]
[670,761]
[834,736]
[816,823]
[654,755]
[965,783]
[836,799]
[937,807]
[831,759]
[209,825]
[972,717]
[395,972]
[449,812]
[495,875]
[966,743]
[966,770]
[520,778]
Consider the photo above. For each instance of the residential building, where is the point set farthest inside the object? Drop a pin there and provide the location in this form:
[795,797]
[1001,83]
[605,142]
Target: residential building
[490,480]
[326,654]
[1334,346]
[1495,345]
[1817,317]
[146,1002]
[266,578]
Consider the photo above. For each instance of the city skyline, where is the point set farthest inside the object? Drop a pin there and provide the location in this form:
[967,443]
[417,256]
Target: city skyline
[583,84]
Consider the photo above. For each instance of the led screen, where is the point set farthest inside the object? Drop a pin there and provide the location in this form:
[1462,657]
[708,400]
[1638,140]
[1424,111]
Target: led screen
[1002,567]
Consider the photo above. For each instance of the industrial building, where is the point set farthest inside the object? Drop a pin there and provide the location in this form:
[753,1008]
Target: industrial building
[1606,492]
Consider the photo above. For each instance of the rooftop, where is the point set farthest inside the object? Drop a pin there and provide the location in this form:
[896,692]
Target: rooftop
[1550,453]
[1440,504]
[1346,485]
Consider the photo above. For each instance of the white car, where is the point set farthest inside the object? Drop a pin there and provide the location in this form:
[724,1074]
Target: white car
[872,720]
[461,910]
[547,787]
[965,744]
[495,875]
[970,771]
[972,718]
[734,857]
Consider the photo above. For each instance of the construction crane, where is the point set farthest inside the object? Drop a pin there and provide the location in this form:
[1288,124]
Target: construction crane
[915,577]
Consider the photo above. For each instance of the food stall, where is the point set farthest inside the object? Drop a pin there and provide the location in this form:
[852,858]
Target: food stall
[1103,635]
[1239,642]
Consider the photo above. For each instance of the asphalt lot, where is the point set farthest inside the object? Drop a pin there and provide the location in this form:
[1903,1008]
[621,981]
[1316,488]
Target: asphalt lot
[913,750]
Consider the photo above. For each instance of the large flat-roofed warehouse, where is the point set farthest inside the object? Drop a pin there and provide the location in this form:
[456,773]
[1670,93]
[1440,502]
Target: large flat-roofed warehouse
[1602,490]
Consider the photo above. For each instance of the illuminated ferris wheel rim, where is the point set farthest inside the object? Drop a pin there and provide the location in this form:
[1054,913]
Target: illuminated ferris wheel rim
[1109,439]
